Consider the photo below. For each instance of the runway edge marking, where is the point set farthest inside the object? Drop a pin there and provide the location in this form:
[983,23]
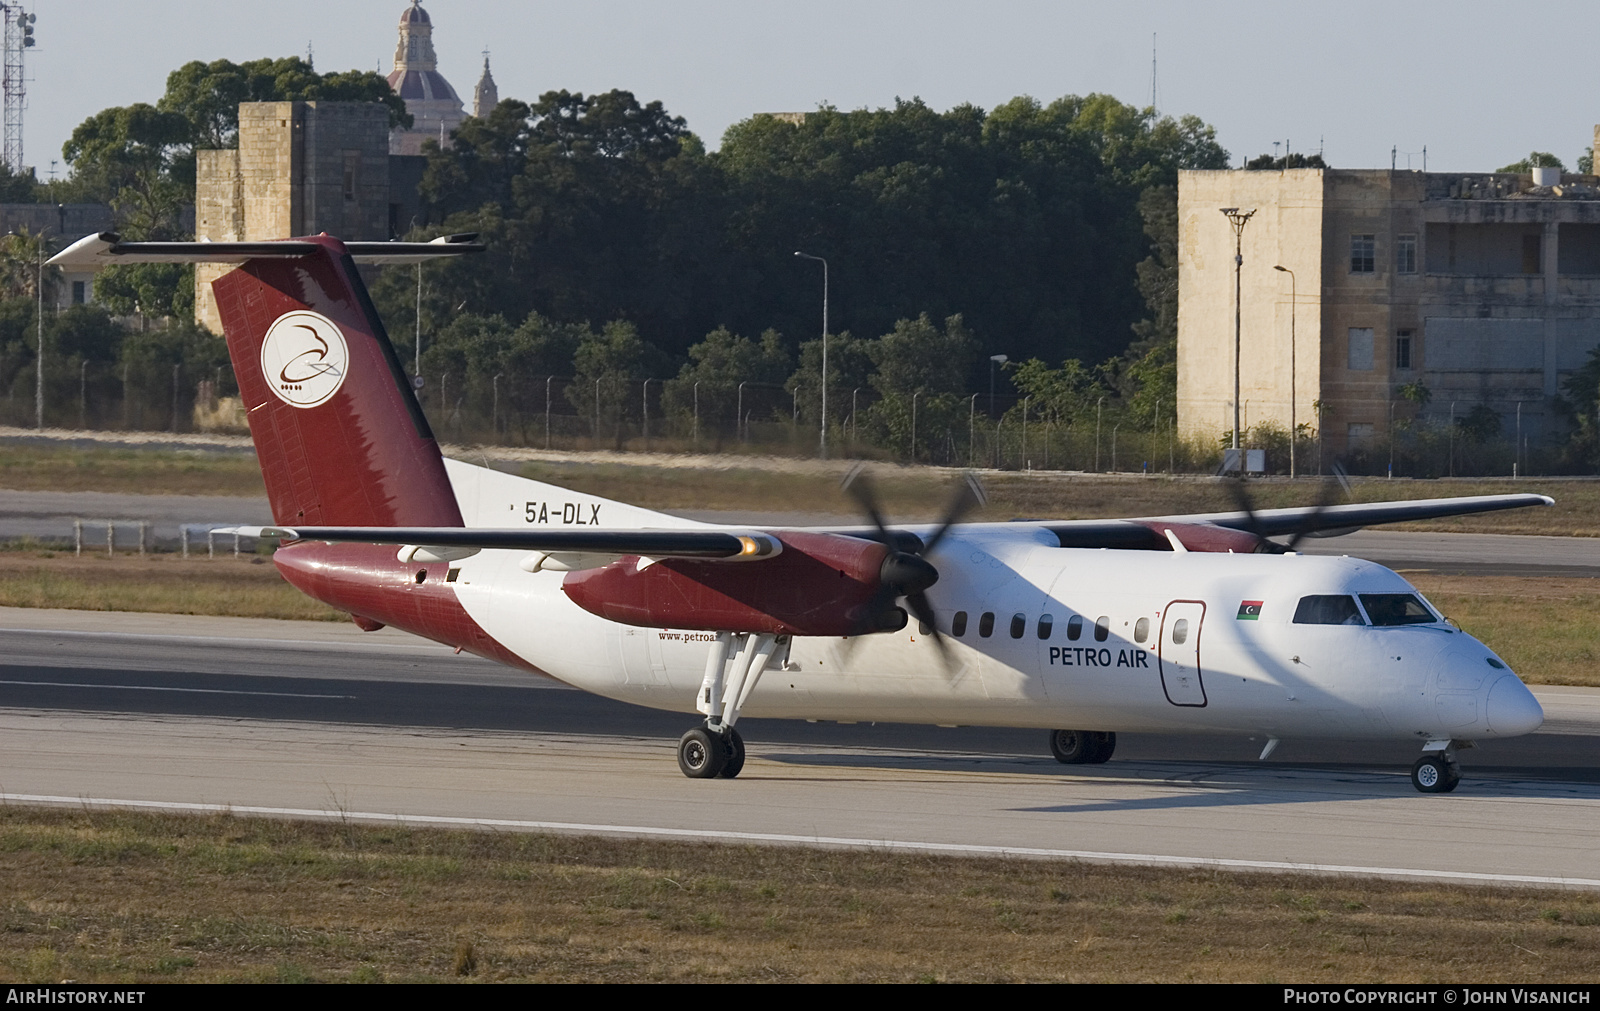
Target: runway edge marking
[829,842]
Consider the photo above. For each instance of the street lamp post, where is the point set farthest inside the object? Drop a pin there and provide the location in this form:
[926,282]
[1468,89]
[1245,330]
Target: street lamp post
[1293,431]
[1237,219]
[994,360]
[1097,407]
[738,415]
[822,443]
[972,431]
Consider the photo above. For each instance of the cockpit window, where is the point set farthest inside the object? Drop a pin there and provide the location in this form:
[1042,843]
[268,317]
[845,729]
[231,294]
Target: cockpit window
[1327,609]
[1396,609]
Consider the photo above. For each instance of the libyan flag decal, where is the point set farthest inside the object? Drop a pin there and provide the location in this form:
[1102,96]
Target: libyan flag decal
[1249,610]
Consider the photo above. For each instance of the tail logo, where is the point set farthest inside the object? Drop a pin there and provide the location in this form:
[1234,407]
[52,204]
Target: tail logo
[304,358]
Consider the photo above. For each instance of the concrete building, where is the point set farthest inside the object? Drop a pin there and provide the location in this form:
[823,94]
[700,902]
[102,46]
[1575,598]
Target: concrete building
[434,106]
[1483,287]
[301,168]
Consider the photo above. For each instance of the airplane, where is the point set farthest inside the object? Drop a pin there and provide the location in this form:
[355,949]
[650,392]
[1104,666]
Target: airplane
[1196,624]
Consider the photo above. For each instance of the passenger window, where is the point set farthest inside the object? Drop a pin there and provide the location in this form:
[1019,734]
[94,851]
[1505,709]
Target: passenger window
[1102,628]
[1180,631]
[1046,623]
[958,624]
[1141,630]
[986,624]
[923,628]
[1327,609]
[1074,627]
[1396,609]
[1019,625]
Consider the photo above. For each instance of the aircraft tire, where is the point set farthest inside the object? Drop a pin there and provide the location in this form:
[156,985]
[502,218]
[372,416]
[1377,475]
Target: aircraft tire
[1073,747]
[1105,742]
[701,754]
[1434,773]
[735,755]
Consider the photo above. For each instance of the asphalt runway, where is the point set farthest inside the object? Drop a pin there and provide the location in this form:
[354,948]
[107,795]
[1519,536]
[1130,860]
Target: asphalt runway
[321,720]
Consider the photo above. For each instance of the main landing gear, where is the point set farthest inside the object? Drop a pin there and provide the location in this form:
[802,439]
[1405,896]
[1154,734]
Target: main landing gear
[1082,747]
[1437,771]
[715,750]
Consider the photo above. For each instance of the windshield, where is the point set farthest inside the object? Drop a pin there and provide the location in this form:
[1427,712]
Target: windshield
[1397,609]
[1327,609]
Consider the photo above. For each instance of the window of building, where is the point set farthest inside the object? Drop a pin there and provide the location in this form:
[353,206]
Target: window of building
[1405,253]
[1530,254]
[1019,625]
[1402,349]
[1363,254]
[1075,627]
[1102,628]
[1360,359]
[80,293]
[1327,609]
[986,624]
[958,624]
[1046,623]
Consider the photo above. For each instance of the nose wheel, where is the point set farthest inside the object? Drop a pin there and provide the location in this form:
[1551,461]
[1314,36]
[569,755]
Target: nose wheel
[1435,772]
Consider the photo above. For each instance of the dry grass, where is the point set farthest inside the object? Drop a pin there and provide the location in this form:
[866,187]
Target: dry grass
[101,897]
[1544,627]
[129,471]
[244,588]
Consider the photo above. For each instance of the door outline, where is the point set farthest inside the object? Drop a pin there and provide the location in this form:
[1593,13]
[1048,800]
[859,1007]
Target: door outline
[1163,647]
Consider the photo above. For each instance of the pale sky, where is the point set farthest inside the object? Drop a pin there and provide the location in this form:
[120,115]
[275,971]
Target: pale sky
[1478,84]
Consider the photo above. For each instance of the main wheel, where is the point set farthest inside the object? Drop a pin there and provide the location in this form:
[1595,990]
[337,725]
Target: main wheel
[1073,747]
[1435,774]
[735,753]
[1105,742]
[701,754]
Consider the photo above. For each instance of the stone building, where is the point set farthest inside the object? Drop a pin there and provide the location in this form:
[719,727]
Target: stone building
[1483,287]
[433,104]
[301,168]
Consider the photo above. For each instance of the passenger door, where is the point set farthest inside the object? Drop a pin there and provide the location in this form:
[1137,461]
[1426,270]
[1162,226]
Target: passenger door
[1180,652]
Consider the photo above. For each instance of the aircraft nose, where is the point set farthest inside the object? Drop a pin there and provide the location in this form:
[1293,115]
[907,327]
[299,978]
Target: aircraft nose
[1512,709]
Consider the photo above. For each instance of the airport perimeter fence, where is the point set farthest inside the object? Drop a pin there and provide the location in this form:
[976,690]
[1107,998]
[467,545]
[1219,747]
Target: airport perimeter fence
[666,416]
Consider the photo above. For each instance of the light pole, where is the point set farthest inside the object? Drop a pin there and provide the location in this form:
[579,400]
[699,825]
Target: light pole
[914,397]
[418,346]
[1293,431]
[1097,407]
[1237,219]
[994,360]
[972,431]
[822,444]
[738,415]
[697,414]
[38,372]
[547,381]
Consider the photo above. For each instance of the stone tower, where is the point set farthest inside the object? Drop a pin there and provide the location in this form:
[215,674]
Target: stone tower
[434,105]
[485,96]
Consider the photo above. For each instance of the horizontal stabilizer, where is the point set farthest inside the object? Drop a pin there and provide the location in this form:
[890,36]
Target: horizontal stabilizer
[107,248]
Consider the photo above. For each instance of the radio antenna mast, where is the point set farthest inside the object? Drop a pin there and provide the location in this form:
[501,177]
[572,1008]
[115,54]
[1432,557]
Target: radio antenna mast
[18,37]
[1153,106]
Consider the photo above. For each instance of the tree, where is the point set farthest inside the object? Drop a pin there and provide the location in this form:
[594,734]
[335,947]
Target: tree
[606,366]
[140,160]
[1536,159]
[153,289]
[1293,160]
[717,365]
[921,375]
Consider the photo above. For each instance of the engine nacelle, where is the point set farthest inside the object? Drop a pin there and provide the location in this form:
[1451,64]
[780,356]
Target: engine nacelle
[822,584]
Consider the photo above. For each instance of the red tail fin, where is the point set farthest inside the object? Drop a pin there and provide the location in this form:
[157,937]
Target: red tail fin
[339,433]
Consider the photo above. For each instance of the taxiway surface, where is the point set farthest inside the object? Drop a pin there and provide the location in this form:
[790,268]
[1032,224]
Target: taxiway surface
[319,718]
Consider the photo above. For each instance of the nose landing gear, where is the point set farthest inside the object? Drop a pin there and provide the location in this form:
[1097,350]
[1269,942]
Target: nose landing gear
[1437,771]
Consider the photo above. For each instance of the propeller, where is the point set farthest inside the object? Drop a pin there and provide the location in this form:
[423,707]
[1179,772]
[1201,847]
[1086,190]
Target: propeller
[906,571]
[1330,493]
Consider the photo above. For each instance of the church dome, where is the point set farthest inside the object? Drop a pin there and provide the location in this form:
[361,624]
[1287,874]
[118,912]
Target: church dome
[422,86]
[414,15]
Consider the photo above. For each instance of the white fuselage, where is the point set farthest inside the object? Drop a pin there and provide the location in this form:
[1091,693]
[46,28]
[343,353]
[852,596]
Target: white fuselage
[1238,669]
